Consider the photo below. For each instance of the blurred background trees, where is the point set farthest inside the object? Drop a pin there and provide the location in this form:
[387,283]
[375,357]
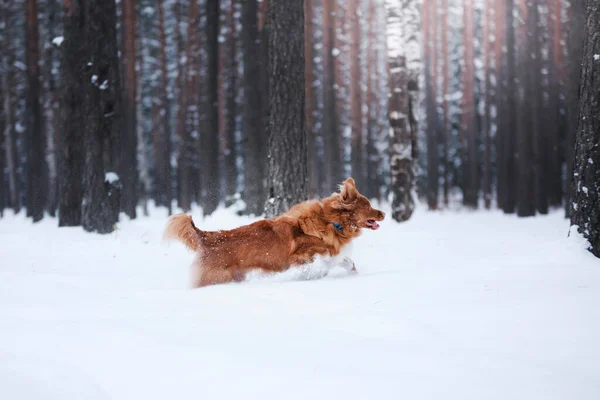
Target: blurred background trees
[481,96]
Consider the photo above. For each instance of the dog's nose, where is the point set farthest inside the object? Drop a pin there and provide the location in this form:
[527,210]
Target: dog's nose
[381,214]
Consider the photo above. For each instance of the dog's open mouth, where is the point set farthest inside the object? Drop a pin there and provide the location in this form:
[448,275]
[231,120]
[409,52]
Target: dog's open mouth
[372,224]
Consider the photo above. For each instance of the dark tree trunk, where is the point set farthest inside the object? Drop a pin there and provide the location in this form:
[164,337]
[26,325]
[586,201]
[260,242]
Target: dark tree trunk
[509,141]
[52,105]
[574,43]
[487,117]
[9,132]
[210,136]
[3,166]
[331,135]
[526,203]
[468,128]
[263,76]
[36,193]
[101,90]
[254,195]
[230,59]
[445,84]
[162,156]
[128,149]
[585,189]
[311,99]
[540,140]
[187,120]
[287,176]
[356,103]
[371,189]
[500,99]
[430,60]
[552,115]
[71,159]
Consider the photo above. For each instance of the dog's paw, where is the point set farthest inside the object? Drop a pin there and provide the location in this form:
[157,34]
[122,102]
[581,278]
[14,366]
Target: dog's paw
[310,272]
[349,266]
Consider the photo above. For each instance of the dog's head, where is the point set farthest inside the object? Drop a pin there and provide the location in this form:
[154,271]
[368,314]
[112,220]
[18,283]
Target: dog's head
[355,208]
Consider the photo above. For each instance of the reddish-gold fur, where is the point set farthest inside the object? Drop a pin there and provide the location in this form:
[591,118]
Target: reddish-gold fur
[276,244]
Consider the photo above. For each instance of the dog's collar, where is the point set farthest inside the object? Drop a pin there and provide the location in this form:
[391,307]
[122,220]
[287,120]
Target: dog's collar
[338,226]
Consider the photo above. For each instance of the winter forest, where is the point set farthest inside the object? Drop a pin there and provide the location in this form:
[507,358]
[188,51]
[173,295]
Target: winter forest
[106,107]
[469,269]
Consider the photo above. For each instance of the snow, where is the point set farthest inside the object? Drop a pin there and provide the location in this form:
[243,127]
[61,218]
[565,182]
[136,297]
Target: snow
[596,57]
[57,41]
[450,305]
[111,177]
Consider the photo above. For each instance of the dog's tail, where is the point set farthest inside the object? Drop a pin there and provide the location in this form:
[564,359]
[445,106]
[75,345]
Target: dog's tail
[182,228]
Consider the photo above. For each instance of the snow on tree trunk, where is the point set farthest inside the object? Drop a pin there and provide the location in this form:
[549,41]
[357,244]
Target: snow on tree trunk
[574,44]
[100,114]
[287,172]
[585,189]
[403,65]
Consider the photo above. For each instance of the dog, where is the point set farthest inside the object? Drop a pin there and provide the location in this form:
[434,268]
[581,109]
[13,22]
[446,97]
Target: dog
[307,230]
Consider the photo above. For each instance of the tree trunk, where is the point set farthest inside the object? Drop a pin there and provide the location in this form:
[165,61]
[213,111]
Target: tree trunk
[356,104]
[230,59]
[287,176]
[331,135]
[162,156]
[3,166]
[430,60]
[128,159]
[445,84]
[500,98]
[574,42]
[402,33]
[468,128]
[487,117]
[10,134]
[254,162]
[101,90]
[525,125]
[509,143]
[210,136]
[51,104]
[553,113]
[71,161]
[585,190]
[311,100]
[371,189]
[36,194]
[187,125]
[540,140]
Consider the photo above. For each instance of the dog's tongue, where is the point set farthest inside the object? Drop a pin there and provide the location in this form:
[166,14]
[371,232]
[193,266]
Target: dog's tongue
[372,224]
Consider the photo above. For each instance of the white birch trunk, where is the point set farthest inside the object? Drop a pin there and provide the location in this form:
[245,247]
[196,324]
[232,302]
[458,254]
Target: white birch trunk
[403,48]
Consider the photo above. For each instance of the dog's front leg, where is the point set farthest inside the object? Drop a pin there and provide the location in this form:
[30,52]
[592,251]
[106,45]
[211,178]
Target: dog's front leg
[342,261]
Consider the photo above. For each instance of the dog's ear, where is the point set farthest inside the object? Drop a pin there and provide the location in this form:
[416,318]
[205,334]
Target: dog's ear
[348,190]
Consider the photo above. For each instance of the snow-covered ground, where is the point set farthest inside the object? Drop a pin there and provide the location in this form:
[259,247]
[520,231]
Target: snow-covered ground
[452,305]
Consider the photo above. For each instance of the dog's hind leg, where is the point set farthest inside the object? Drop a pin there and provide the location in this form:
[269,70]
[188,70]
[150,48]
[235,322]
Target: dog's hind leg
[214,276]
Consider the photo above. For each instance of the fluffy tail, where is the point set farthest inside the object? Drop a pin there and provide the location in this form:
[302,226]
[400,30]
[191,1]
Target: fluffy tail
[182,228]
